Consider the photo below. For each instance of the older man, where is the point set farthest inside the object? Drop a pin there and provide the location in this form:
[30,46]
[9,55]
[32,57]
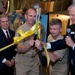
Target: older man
[66,42]
[7,59]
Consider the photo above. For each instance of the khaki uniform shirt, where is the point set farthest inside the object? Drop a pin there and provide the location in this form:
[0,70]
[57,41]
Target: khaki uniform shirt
[29,59]
[61,66]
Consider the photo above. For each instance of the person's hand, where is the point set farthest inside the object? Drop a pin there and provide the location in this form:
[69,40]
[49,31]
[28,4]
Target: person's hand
[13,61]
[38,44]
[22,49]
[31,41]
[8,63]
[69,41]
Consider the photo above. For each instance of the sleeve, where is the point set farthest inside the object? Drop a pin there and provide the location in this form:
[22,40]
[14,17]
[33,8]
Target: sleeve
[73,48]
[61,53]
[4,60]
[58,45]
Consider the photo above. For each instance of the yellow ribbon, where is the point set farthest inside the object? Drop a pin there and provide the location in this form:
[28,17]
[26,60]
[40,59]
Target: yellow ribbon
[7,8]
[23,36]
[39,30]
[47,55]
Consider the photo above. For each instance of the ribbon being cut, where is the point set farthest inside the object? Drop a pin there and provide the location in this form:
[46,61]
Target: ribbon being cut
[23,35]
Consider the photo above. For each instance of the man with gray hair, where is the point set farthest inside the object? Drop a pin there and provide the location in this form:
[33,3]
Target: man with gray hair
[68,41]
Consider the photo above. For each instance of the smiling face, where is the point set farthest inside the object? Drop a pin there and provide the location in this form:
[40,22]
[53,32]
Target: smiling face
[71,11]
[4,23]
[30,16]
[55,30]
[72,14]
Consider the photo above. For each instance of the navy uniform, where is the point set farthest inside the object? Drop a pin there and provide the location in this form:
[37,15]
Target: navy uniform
[27,63]
[60,44]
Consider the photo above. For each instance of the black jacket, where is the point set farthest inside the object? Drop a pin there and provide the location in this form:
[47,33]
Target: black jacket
[60,44]
[10,52]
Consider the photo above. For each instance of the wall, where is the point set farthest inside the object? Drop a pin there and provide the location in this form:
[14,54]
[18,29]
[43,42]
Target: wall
[63,18]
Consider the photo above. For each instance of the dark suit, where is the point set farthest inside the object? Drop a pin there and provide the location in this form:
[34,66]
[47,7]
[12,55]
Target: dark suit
[62,44]
[8,53]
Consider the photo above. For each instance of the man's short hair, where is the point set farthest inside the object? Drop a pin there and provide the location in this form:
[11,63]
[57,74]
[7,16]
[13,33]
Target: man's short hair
[56,22]
[26,12]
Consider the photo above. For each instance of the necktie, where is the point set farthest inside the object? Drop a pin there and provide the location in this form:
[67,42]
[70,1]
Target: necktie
[8,37]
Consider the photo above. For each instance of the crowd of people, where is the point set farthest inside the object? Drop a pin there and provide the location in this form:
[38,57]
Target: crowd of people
[24,56]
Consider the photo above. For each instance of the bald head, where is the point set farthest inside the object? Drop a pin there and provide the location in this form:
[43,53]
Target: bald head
[71,7]
[71,11]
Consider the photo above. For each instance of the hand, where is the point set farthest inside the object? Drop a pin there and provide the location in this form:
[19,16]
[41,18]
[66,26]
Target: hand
[69,41]
[21,49]
[8,63]
[31,41]
[24,48]
[38,44]
[13,61]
